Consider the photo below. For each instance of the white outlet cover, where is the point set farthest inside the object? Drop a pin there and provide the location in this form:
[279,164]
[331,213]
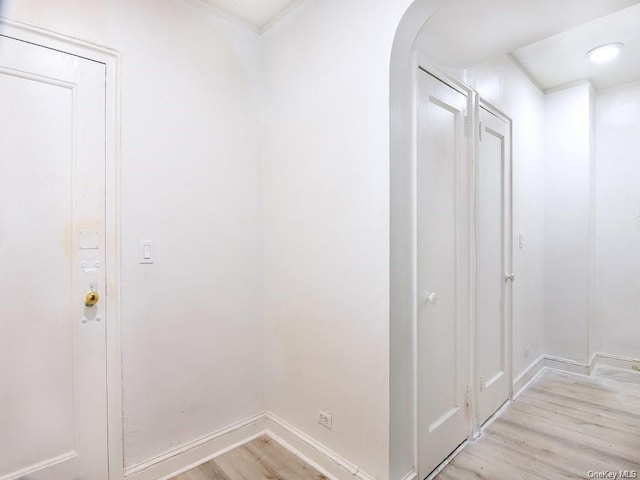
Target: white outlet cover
[325,419]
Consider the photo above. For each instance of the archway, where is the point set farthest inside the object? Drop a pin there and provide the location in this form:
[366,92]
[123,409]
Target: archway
[416,21]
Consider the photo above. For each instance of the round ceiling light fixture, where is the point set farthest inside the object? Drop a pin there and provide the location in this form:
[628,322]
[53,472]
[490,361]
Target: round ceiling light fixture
[605,53]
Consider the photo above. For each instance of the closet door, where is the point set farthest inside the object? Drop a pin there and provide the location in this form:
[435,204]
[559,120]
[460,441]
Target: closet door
[442,251]
[493,266]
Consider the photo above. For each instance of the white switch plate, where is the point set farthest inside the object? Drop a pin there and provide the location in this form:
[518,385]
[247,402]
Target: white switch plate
[146,251]
[521,241]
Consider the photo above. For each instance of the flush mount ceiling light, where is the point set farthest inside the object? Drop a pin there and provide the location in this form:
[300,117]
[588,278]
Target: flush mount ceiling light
[605,53]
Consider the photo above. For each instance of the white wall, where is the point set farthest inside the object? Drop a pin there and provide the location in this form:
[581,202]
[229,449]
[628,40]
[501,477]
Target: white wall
[326,167]
[193,339]
[502,83]
[618,222]
[568,159]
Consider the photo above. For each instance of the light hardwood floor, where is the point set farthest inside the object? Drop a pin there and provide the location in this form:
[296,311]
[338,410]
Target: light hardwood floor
[563,426]
[260,459]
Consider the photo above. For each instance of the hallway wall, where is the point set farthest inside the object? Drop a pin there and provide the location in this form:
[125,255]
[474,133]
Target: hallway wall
[326,171]
[500,82]
[193,338]
[617,329]
[568,158]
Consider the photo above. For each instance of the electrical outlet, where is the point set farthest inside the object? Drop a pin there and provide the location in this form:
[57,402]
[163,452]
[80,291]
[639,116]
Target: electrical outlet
[324,419]
[527,351]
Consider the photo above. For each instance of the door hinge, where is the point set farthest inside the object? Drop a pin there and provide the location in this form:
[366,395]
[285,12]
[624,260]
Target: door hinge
[468,396]
[467,125]
[482,385]
[480,131]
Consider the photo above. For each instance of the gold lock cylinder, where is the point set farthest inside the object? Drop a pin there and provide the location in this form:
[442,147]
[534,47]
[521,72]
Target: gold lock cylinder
[91,299]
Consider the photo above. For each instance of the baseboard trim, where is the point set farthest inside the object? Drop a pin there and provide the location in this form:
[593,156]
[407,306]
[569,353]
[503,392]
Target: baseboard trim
[317,455]
[567,365]
[447,460]
[287,446]
[412,475]
[597,359]
[522,381]
[573,366]
[616,361]
[194,453]
[311,451]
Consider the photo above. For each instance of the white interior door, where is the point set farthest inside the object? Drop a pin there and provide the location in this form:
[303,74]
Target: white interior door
[442,271]
[53,419]
[493,247]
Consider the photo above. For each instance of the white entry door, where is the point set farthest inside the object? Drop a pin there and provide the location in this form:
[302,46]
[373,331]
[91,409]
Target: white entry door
[53,419]
[442,271]
[493,266]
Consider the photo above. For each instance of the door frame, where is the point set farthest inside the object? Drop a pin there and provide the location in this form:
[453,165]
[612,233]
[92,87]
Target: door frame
[111,60]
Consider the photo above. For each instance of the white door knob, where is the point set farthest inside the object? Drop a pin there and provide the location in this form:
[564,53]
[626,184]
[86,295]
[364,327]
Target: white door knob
[429,297]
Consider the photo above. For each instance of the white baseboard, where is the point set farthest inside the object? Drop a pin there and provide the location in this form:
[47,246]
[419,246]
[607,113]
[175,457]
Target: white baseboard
[572,366]
[566,365]
[412,475]
[522,381]
[194,453]
[313,452]
[616,361]
[325,460]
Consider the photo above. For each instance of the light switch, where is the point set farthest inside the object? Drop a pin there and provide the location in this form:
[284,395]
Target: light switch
[521,241]
[146,251]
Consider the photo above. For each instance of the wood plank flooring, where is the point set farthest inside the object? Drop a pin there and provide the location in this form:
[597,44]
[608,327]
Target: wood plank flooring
[260,459]
[563,426]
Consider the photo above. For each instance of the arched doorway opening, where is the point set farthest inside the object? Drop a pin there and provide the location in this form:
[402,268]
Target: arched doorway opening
[477,44]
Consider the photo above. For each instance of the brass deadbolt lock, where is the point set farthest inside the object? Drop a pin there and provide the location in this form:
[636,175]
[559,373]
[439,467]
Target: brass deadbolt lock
[91,299]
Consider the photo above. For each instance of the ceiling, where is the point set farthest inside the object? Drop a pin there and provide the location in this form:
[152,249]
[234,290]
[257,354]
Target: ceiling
[561,59]
[549,38]
[256,14]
